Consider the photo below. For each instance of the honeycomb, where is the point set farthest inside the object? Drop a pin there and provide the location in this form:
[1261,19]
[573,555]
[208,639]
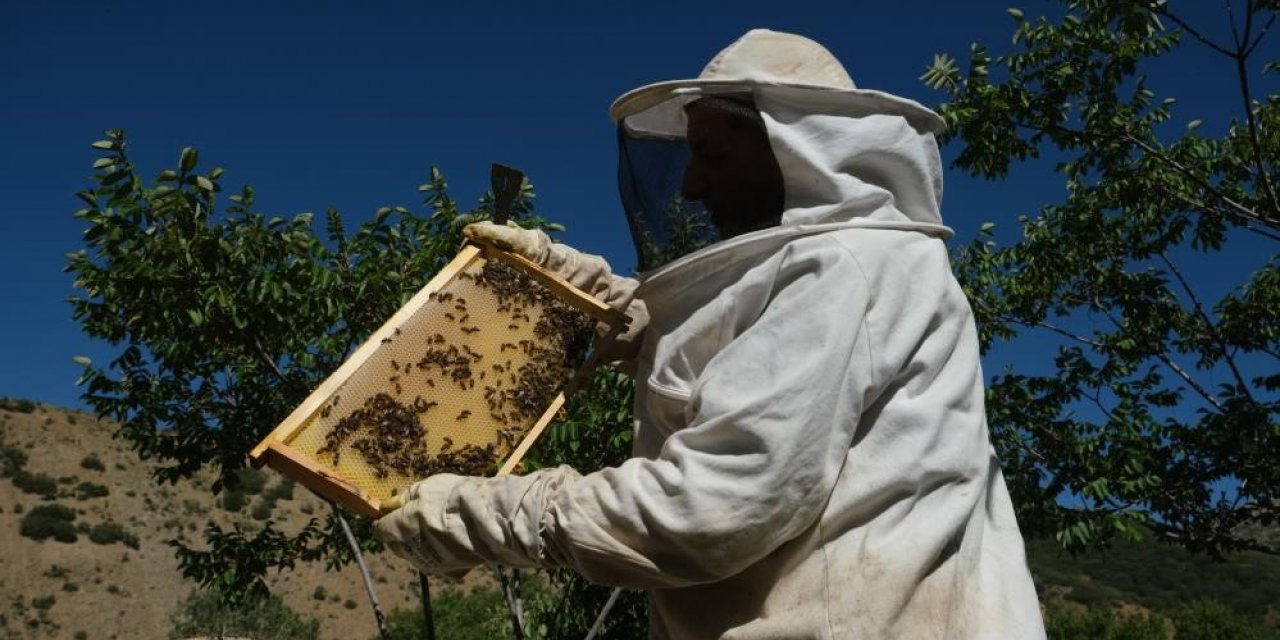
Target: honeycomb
[452,384]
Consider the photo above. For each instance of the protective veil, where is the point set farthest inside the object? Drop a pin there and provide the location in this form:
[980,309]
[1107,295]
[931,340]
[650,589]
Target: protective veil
[812,457]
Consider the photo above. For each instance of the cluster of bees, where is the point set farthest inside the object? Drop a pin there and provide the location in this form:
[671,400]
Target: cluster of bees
[389,431]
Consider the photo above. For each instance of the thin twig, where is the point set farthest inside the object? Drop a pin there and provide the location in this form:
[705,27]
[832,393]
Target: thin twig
[1231,18]
[1242,210]
[1196,205]
[1177,369]
[1198,36]
[1213,329]
[364,573]
[1255,143]
[1261,34]
[1045,325]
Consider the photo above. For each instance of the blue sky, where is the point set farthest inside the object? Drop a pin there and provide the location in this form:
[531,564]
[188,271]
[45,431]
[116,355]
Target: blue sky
[320,104]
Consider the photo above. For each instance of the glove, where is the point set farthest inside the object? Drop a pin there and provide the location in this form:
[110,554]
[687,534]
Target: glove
[414,531]
[527,243]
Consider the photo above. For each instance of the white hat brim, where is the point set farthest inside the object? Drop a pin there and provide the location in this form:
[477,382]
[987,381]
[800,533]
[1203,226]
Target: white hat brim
[866,101]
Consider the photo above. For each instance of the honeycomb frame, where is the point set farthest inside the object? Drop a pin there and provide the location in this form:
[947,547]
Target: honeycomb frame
[461,412]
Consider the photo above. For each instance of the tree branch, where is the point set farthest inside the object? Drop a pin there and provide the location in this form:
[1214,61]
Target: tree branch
[1198,36]
[1261,34]
[1241,210]
[1176,368]
[1212,328]
[1255,143]
[1045,325]
[1205,209]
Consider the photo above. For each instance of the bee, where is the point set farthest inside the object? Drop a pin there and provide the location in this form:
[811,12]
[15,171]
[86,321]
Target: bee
[395,365]
[449,316]
[464,415]
[470,330]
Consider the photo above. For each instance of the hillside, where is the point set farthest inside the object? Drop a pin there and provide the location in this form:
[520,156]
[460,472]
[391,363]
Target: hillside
[130,587]
[114,590]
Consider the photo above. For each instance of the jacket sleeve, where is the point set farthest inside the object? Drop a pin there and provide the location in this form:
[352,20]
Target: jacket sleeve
[770,420]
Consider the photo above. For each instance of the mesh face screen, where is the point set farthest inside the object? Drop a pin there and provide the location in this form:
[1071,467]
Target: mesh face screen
[452,389]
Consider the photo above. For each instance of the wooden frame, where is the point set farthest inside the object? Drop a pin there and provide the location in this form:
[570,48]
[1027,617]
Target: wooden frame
[276,452]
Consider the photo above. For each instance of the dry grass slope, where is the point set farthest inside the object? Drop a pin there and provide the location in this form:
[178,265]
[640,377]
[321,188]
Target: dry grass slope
[52,589]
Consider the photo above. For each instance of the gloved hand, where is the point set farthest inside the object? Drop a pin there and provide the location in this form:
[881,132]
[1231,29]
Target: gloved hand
[528,243]
[414,531]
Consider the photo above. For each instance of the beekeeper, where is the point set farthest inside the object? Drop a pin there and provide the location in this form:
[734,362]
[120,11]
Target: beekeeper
[811,452]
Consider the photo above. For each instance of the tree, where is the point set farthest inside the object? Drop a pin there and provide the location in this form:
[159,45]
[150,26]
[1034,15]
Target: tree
[1161,410]
[227,319]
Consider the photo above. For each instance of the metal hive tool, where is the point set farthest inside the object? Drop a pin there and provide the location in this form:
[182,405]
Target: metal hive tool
[462,379]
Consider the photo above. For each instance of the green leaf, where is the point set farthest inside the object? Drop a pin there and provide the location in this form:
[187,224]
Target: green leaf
[1016,13]
[82,361]
[204,183]
[1193,125]
[187,160]
[104,144]
[104,162]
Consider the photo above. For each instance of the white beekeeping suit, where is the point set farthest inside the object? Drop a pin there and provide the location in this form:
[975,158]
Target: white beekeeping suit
[811,456]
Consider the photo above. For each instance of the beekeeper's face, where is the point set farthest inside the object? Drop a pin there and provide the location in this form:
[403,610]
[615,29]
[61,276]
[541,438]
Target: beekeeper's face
[732,170]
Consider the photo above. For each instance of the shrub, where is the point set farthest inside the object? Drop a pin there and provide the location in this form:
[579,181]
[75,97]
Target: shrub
[250,481]
[55,571]
[86,490]
[17,405]
[12,461]
[267,618]
[110,533]
[1208,620]
[262,510]
[43,604]
[319,593]
[478,615]
[49,521]
[92,463]
[350,604]
[233,500]
[282,491]
[37,484]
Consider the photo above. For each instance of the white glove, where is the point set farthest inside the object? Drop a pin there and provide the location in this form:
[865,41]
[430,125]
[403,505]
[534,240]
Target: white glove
[527,243]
